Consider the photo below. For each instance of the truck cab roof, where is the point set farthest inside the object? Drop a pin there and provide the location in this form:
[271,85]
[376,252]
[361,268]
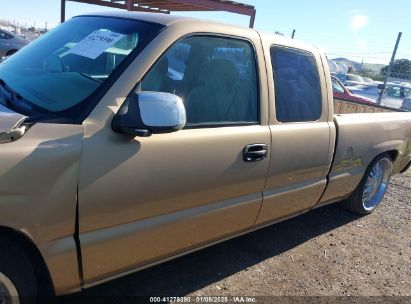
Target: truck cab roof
[168,20]
[159,18]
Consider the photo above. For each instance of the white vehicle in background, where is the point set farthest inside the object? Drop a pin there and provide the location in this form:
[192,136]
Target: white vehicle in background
[395,94]
[406,104]
[10,43]
[364,90]
[353,80]
[370,81]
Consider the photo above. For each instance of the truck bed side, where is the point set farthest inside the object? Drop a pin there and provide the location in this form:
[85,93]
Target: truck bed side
[360,138]
[344,107]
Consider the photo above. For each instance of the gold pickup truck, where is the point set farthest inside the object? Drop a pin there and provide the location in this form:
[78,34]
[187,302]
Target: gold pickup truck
[129,139]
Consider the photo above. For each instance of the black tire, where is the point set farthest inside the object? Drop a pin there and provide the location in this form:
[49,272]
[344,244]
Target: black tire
[9,53]
[16,267]
[355,202]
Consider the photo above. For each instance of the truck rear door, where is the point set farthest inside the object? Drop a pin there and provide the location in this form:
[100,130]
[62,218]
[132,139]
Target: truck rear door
[302,130]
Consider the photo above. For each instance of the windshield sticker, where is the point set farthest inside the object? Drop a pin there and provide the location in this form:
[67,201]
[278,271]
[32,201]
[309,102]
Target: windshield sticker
[95,44]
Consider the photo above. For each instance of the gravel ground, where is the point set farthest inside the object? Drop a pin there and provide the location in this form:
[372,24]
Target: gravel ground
[326,252]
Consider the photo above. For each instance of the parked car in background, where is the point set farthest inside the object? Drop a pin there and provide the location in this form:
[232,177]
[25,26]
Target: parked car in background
[10,43]
[369,81]
[406,104]
[395,93]
[393,97]
[341,92]
[366,91]
[352,80]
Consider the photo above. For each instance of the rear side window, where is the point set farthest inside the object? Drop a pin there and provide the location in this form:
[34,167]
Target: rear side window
[297,85]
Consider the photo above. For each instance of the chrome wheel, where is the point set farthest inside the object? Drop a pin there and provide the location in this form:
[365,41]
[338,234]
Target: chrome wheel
[8,292]
[376,184]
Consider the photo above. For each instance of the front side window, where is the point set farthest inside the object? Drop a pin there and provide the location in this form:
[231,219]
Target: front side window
[297,85]
[216,78]
[57,74]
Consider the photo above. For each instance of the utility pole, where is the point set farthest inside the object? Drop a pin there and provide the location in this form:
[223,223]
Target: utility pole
[387,75]
[293,34]
[63,11]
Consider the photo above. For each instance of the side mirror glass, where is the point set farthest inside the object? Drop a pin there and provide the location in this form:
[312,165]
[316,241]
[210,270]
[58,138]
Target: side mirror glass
[380,86]
[147,113]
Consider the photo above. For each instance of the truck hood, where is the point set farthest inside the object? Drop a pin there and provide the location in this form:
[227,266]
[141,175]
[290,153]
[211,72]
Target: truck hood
[10,125]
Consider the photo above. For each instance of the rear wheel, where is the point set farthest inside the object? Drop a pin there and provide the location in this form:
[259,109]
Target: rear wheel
[370,192]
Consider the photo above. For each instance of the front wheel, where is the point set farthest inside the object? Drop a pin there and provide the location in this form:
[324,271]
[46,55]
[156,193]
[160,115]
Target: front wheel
[17,278]
[8,291]
[370,192]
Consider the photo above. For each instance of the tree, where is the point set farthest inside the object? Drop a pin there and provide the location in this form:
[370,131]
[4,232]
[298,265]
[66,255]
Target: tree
[400,69]
[374,75]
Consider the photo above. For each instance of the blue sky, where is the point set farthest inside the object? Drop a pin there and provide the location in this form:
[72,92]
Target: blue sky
[354,29]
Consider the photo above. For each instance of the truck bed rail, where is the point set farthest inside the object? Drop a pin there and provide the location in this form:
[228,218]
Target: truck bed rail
[345,107]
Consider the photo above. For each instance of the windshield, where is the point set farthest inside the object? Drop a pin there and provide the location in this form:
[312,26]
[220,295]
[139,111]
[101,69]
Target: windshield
[63,69]
[337,88]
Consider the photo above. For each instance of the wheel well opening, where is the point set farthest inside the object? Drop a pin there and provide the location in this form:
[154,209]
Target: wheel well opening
[393,154]
[44,282]
[11,52]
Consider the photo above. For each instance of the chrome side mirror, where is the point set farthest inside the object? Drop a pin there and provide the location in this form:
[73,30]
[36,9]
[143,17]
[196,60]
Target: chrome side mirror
[147,113]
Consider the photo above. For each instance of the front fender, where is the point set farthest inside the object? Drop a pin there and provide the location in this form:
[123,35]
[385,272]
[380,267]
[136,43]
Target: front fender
[38,193]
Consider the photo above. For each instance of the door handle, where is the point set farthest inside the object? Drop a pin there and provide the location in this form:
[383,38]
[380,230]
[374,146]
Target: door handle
[255,152]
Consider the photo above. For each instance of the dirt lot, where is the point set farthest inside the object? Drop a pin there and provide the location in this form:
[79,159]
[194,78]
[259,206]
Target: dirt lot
[326,252]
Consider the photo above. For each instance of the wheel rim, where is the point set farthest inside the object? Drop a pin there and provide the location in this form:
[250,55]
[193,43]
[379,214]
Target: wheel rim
[376,183]
[8,292]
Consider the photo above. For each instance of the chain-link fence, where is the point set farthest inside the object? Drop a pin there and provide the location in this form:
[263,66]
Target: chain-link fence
[364,72]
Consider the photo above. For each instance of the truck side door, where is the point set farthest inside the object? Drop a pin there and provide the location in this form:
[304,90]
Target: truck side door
[301,128]
[148,198]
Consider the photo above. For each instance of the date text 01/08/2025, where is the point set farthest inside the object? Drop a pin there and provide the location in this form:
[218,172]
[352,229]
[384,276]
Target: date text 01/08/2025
[203,299]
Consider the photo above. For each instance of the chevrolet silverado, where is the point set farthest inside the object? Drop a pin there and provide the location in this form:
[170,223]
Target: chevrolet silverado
[128,139]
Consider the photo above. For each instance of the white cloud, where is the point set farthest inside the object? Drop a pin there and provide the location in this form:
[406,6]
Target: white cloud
[357,22]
